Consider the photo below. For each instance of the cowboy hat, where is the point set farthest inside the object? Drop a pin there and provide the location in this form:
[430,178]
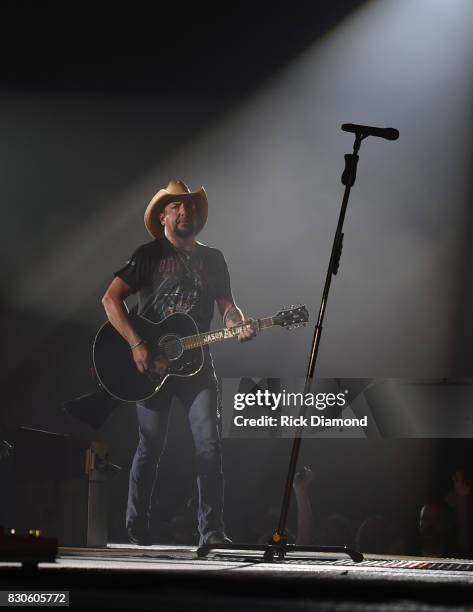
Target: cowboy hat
[164,196]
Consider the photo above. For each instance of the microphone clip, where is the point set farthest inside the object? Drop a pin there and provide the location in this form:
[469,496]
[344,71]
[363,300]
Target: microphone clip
[349,174]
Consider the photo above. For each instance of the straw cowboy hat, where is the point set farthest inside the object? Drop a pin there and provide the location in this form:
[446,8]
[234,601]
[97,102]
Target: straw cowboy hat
[164,196]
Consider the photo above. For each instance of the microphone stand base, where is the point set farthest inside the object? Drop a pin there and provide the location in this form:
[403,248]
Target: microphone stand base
[277,552]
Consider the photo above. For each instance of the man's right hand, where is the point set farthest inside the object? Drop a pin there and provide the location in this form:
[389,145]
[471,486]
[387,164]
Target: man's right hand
[141,357]
[113,302]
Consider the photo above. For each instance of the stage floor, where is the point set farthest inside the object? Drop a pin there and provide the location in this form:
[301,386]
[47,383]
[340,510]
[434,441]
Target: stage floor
[129,577]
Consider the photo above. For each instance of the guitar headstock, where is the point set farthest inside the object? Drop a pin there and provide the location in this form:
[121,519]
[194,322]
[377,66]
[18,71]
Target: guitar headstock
[290,318]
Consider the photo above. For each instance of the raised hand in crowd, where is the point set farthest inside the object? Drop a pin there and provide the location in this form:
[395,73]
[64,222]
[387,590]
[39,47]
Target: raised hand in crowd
[459,498]
[5,449]
[303,483]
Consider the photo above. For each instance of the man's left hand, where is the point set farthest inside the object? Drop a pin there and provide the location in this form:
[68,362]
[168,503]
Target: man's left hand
[247,334]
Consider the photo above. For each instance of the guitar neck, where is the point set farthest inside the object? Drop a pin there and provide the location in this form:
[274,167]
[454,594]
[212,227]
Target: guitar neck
[199,340]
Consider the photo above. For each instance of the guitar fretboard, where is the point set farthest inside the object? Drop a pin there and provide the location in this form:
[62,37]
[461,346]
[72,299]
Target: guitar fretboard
[199,340]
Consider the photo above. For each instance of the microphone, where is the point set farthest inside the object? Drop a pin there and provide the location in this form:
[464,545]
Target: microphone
[368,130]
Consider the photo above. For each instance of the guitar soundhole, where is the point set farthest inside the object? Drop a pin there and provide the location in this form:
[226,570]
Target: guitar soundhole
[171,347]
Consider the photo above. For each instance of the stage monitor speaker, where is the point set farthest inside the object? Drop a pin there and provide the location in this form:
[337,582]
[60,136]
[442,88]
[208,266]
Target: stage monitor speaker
[61,487]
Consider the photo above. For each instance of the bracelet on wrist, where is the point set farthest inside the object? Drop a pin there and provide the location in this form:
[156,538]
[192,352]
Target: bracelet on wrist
[133,346]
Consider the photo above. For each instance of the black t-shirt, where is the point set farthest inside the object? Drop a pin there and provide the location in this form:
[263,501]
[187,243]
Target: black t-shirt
[168,279]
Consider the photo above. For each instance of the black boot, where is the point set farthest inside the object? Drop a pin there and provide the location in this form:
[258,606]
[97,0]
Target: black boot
[140,536]
[218,537]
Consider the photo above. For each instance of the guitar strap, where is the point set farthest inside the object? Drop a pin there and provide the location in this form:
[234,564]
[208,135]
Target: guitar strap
[148,303]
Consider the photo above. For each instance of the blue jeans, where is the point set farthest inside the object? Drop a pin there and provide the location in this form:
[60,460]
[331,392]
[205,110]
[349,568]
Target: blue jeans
[199,396]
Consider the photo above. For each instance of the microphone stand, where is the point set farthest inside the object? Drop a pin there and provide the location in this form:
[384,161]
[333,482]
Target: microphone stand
[278,543]
[278,546]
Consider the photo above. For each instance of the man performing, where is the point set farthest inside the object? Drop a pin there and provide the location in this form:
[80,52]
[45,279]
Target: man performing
[175,273]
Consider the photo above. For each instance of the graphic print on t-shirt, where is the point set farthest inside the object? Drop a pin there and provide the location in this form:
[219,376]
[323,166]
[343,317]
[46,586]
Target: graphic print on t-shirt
[181,287]
[167,280]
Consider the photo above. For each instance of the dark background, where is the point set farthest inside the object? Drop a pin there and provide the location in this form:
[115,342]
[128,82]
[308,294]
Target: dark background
[98,113]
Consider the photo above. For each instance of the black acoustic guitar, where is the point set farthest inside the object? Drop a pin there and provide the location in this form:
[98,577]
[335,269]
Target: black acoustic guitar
[176,348]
